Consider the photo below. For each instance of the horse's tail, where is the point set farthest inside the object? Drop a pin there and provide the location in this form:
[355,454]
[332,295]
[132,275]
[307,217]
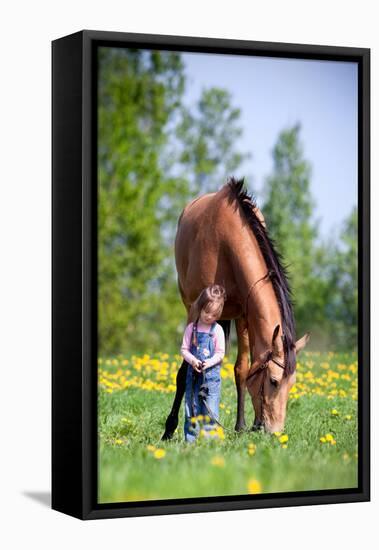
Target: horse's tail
[226,328]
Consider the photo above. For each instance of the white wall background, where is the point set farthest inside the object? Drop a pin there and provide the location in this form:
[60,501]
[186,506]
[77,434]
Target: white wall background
[25,133]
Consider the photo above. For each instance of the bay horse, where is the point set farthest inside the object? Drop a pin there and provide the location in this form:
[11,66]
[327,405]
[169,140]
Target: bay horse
[222,239]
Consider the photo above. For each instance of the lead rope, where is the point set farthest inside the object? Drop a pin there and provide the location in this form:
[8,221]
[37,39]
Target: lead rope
[203,393]
[203,397]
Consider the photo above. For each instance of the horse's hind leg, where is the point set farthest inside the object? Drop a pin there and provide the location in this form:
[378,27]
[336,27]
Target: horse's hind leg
[173,418]
[241,369]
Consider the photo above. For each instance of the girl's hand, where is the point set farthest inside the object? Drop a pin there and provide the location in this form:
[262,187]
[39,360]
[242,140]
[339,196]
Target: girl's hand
[206,364]
[197,365]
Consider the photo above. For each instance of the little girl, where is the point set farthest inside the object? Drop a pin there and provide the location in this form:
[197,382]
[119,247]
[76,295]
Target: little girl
[203,348]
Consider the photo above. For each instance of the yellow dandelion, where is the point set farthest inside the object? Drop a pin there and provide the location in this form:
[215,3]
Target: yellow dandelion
[334,412]
[218,461]
[277,434]
[254,487]
[220,432]
[348,417]
[284,446]
[119,441]
[251,449]
[329,437]
[151,448]
[323,439]
[283,438]
[159,453]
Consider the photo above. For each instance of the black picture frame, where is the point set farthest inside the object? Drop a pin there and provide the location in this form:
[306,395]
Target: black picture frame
[74,274]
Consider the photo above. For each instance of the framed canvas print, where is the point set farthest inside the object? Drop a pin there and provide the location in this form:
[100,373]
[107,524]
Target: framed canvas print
[210,274]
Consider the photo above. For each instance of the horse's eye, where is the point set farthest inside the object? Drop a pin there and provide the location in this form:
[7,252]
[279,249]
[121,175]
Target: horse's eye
[274,382]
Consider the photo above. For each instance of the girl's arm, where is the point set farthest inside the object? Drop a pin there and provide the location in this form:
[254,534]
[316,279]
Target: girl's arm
[219,340]
[186,345]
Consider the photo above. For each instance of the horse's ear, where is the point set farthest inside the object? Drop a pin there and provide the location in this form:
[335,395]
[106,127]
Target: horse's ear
[300,344]
[274,336]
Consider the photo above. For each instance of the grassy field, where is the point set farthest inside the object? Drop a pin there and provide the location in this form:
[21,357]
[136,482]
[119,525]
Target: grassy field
[318,449]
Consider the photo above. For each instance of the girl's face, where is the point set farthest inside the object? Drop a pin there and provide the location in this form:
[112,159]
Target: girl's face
[208,315]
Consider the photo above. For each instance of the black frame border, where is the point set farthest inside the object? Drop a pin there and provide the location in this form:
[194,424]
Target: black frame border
[74,273]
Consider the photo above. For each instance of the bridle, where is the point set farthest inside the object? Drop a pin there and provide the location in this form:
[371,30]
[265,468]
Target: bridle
[262,365]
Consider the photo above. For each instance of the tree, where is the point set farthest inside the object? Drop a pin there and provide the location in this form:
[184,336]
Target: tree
[343,304]
[150,165]
[322,274]
[288,210]
[139,92]
[208,134]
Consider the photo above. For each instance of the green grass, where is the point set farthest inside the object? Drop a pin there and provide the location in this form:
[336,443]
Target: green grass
[133,418]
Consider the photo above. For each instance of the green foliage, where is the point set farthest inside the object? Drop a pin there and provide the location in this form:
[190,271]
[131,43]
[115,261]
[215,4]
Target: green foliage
[208,134]
[323,276]
[147,155]
[138,94]
[342,308]
[288,212]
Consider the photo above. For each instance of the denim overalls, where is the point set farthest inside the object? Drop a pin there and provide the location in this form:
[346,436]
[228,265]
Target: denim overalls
[211,377]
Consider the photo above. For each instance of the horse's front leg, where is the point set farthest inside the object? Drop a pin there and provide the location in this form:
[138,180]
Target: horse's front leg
[173,418]
[241,369]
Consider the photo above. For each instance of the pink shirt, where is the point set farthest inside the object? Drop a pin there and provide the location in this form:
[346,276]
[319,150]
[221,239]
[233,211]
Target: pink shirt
[218,340]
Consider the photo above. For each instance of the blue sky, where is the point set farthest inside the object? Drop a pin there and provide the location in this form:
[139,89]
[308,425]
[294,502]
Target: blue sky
[274,94]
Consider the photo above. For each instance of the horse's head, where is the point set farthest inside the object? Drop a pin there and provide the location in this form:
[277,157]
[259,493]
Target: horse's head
[269,384]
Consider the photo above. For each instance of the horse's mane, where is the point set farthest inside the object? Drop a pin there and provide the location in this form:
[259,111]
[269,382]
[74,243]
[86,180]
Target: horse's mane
[276,269]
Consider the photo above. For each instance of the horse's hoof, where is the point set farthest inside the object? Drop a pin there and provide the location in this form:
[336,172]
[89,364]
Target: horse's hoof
[257,428]
[240,428]
[170,427]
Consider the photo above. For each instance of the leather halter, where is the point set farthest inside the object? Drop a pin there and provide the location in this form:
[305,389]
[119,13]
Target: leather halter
[262,366]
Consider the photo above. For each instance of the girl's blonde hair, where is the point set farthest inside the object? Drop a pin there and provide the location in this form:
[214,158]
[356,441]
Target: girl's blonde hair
[212,298]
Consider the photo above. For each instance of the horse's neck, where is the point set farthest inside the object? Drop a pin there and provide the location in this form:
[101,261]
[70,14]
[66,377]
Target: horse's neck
[261,307]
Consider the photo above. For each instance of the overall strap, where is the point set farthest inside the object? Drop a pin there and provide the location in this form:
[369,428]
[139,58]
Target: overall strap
[211,332]
[194,334]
